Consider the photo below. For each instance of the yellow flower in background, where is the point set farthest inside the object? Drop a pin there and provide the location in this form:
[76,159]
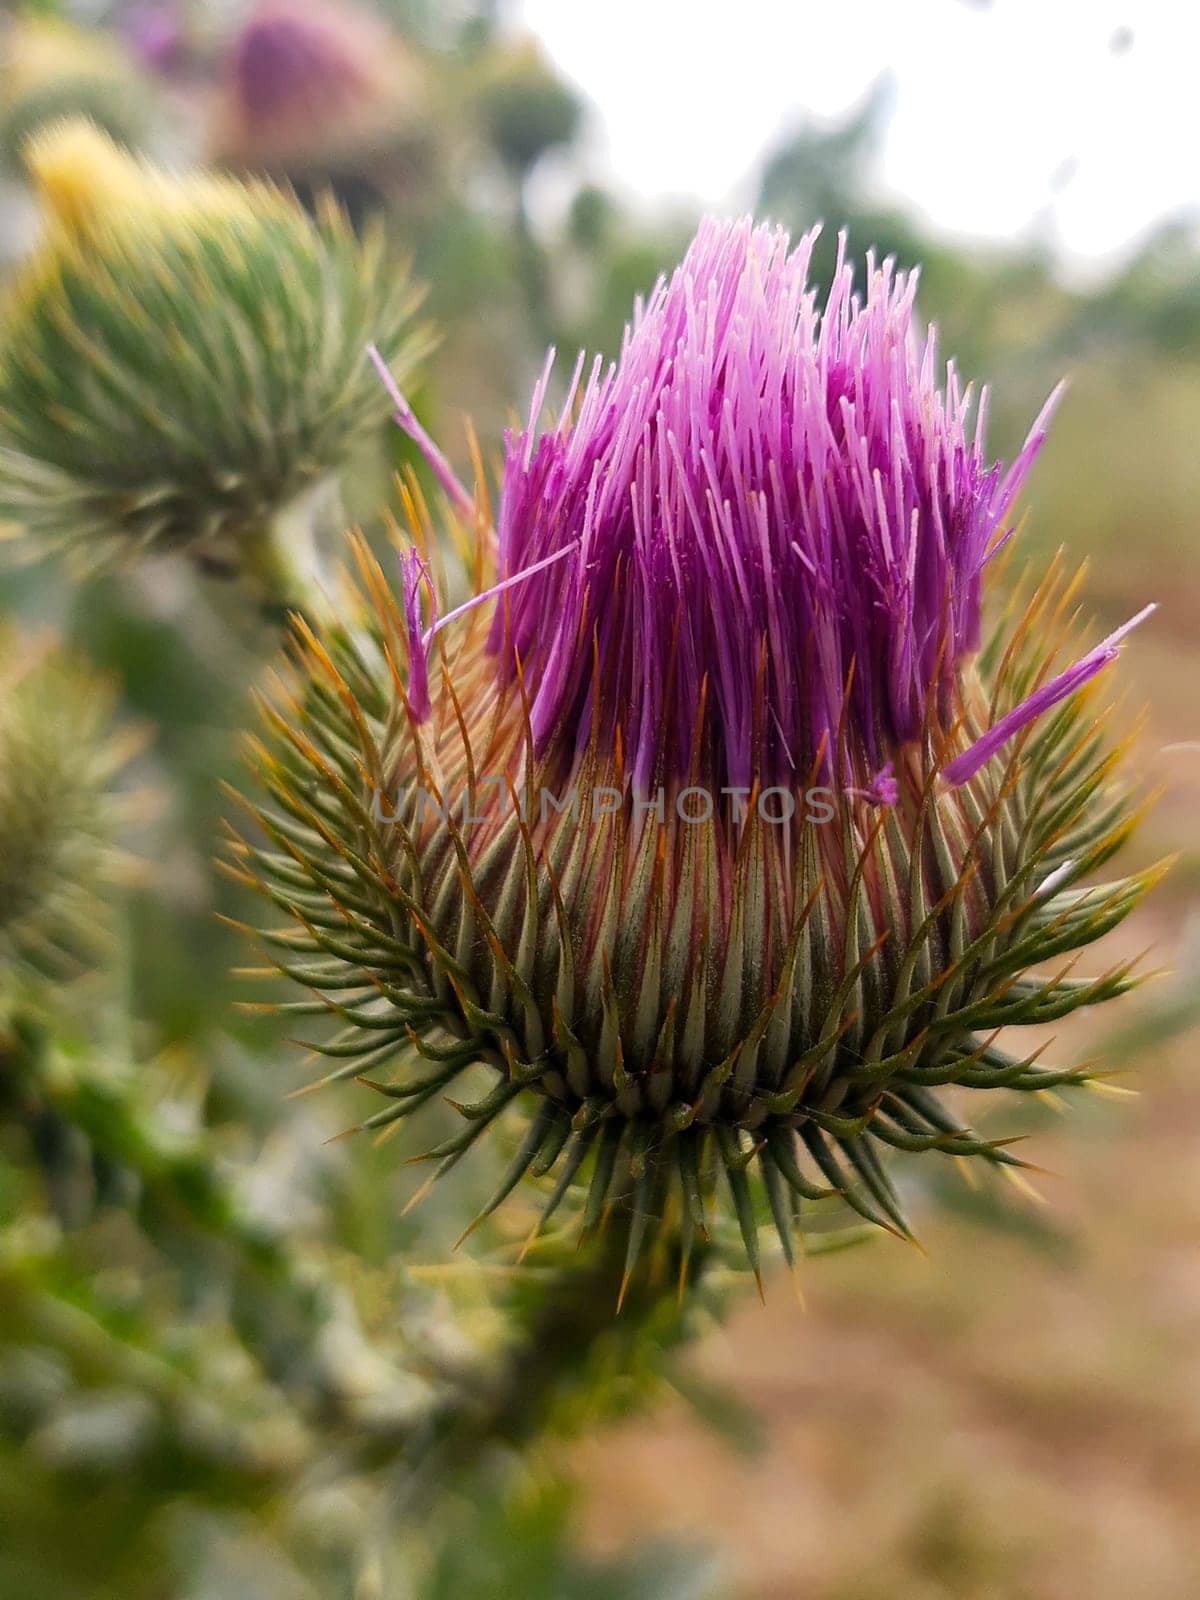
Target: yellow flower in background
[183,356]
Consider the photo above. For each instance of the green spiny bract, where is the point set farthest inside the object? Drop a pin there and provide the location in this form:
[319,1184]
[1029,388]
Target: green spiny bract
[183,357]
[535,836]
[657,1039]
[59,811]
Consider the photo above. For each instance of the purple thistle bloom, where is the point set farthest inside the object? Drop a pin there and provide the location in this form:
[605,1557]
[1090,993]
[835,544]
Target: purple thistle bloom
[773,527]
[769,501]
[751,553]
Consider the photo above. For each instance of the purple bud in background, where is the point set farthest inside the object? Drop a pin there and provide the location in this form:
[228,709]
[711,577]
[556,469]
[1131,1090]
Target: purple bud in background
[319,86]
[293,61]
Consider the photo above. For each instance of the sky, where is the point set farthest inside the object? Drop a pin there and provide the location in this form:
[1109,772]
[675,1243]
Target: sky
[1077,120]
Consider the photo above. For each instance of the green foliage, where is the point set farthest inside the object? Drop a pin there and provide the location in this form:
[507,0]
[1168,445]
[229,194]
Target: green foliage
[525,107]
[154,1318]
[59,819]
[518,1549]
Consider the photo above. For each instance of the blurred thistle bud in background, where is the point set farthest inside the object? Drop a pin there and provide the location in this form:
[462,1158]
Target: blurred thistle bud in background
[725,833]
[61,814]
[524,106]
[182,361]
[50,71]
[324,93]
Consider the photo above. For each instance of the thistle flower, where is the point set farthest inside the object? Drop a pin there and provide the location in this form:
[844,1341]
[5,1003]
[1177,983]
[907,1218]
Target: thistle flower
[60,813]
[182,358]
[715,823]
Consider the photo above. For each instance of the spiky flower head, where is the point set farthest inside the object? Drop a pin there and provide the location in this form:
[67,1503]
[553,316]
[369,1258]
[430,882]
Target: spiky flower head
[60,810]
[183,356]
[724,833]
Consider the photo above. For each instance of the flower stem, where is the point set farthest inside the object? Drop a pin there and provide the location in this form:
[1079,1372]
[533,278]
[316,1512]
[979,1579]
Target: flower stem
[286,563]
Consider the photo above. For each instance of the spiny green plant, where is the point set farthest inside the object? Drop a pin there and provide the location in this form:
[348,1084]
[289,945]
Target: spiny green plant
[61,812]
[182,359]
[720,838]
